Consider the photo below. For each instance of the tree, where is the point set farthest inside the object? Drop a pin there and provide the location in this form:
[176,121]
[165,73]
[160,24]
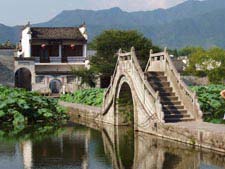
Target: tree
[187,51]
[108,43]
[209,63]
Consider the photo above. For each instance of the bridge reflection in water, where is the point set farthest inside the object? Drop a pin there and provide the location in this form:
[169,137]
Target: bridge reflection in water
[101,147]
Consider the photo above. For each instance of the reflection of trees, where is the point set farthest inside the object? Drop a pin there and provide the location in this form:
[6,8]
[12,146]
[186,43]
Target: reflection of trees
[125,146]
[171,160]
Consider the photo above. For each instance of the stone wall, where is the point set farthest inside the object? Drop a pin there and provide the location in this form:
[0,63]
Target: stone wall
[82,111]
[201,134]
[195,81]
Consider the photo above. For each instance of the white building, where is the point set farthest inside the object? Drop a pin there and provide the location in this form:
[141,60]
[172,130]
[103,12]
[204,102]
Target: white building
[46,57]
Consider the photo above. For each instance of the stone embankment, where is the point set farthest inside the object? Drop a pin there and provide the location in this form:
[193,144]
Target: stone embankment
[82,111]
[201,134]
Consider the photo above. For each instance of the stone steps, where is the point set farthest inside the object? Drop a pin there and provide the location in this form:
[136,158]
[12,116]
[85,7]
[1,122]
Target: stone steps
[169,98]
[174,120]
[177,107]
[175,103]
[173,109]
[162,89]
[173,116]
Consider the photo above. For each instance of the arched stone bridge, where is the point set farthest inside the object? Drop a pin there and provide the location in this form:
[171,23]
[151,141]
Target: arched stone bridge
[158,94]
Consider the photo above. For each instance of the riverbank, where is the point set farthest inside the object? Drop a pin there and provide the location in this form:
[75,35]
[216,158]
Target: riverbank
[201,134]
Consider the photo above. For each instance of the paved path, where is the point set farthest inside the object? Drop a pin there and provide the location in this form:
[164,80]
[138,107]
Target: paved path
[201,126]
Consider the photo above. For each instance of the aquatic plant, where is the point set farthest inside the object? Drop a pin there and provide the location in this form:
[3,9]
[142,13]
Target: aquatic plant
[19,108]
[212,104]
[92,97]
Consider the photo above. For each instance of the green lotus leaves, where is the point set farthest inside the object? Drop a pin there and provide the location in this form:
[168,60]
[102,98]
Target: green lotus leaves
[19,108]
[212,104]
[92,97]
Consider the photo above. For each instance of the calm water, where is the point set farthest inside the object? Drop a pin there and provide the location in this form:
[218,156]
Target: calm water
[78,147]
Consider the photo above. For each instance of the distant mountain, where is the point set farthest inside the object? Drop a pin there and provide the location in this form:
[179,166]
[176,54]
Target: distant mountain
[9,33]
[190,23]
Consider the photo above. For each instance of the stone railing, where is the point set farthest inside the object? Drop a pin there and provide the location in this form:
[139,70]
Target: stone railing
[143,87]
[55,59]
[162,62]
[109,93]
[75,59]
[128,64]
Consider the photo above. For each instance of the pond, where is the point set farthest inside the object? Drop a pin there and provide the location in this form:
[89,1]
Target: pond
[78,146]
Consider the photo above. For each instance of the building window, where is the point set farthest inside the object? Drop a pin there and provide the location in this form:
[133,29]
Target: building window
[40,79]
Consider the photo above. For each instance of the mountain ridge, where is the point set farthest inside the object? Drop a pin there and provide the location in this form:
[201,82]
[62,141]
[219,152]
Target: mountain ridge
[189,23]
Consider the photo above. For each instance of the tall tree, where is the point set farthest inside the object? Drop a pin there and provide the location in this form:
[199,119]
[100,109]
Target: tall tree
[108,43]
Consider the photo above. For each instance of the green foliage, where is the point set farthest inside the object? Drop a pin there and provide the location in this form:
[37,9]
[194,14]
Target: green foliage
[19,108]
[211,102]
[110,41]
[126,108]
[92,97]
[87,76]
[210,63]
[187,51]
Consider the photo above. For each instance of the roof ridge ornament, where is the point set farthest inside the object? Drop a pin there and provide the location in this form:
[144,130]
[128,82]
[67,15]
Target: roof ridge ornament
[27,25]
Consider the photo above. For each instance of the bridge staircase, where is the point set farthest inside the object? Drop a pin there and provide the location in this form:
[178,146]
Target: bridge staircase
[173,108]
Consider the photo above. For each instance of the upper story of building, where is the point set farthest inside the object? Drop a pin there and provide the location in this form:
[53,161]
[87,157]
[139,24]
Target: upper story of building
[53,45]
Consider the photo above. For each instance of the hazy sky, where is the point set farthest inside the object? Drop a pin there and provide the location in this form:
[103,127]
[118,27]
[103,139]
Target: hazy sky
[13,12]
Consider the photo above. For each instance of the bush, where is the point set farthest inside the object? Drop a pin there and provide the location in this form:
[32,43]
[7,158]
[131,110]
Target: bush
[19,108]
[92,97]
[212,104]
[209,63]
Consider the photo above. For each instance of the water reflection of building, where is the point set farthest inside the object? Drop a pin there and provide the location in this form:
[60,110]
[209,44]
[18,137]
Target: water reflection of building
[61,152]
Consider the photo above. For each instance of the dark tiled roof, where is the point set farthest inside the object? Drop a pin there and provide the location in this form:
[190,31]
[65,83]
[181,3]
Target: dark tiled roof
[47,33]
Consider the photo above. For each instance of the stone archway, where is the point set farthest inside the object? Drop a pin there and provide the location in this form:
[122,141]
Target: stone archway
[23,79]
[55,86]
